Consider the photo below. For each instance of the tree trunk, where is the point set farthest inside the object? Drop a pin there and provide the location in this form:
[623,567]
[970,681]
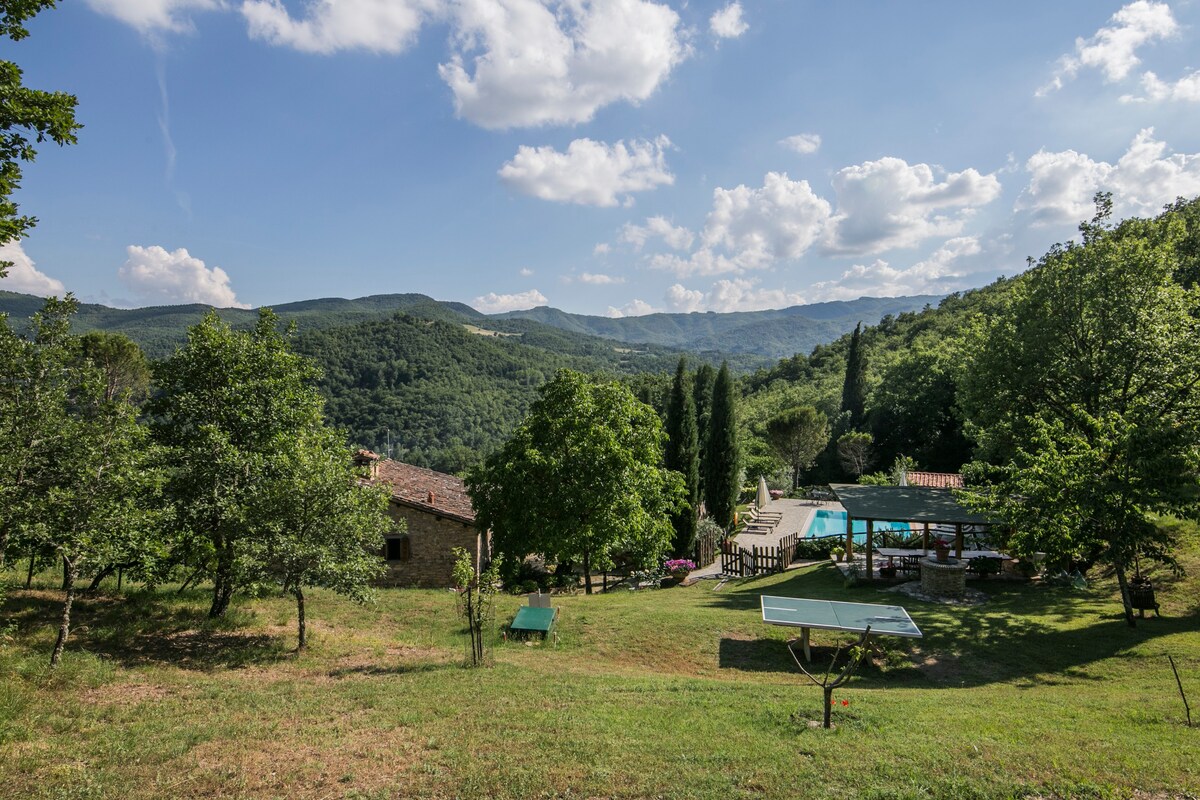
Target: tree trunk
[64,627]
[222,582]
[828,690]
[301,632]
[100,576]
[1120,569]
[587,572]
[3,545]
[29,575]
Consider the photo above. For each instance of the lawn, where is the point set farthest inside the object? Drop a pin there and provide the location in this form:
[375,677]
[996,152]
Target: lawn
[1042,692]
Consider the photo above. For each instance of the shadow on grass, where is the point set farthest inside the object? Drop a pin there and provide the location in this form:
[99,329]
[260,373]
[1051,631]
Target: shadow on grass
[1029,633]
[146,628]
[372,670]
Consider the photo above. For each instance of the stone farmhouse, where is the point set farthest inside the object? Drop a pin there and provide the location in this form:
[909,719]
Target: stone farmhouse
[439,517]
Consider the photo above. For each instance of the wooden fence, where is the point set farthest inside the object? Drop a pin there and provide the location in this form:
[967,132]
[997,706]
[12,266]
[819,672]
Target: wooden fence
[707,548]
[743,562]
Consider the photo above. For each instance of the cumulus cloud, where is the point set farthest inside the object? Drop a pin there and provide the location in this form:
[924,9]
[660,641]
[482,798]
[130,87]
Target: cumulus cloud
[634,308]
[24,276]
[1062,184]
[887,203]
[154,16]
[158,275]
[599,279]
[602,249]
[1113,48]
[535,62]
[941,273]
[802,143]
[727,23]
[675,237]
[380,26]
[1184,90]
[526,272]
[492,303]
[739,294]
[589,173]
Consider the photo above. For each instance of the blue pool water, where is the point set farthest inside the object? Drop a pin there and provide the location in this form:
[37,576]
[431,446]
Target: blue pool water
[833,523]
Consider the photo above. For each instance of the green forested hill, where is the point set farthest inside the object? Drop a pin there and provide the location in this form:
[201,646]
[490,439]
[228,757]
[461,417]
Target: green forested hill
[447,394]
[776,333]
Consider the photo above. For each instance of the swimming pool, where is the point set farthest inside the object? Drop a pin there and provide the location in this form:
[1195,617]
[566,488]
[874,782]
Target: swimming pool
[833,523]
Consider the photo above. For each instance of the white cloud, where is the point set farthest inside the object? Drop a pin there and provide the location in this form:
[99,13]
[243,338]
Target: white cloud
[526,272]
[1146,177]
[23,275]
[536,62]
[153,16]
[727,23]
[589,173]
[739,294]
[492,303]
[675,237]
[602,249]
[634,308]
[380,26]
[941,273]
[1113,49]
[802,143]
[599,279]
[170,277]
[888,203]
[1184,90]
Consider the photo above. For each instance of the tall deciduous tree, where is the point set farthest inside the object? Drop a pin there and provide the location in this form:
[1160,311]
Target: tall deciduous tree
[722,464]
[226,400]
[1084,398]
[854,388]
[855,452]
[321,526]
[683,456]
[34,382]
[27,117]
[798,435]
[121,362]
[581,480]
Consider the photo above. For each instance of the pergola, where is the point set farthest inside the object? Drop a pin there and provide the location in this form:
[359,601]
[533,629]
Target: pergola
[902,504]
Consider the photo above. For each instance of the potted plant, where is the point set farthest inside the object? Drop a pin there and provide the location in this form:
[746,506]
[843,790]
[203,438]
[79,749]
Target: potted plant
[679,568]
[942,549]
[837,551]
[887,571]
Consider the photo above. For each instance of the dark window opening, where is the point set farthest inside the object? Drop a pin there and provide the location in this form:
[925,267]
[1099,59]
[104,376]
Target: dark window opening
[397,548]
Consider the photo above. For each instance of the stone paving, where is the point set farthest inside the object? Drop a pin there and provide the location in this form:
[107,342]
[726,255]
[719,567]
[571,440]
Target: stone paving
[796,516]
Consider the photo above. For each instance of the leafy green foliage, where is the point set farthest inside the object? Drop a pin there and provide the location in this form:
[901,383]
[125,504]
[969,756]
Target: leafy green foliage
[321,526]
[854,387]
[582,480]
[855,451]
[226,401]
[121,362]
[27,117]
[798,435]
[683,456]
[476,592]
[722,458]
[1084,397]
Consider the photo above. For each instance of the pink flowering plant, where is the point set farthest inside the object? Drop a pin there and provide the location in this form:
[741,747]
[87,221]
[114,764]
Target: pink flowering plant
[679,565]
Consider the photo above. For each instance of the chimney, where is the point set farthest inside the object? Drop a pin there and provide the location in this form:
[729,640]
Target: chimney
[432,499]
[367,461]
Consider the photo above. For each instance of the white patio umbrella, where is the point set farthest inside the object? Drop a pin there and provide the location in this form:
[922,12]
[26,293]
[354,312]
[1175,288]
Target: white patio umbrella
[764,496]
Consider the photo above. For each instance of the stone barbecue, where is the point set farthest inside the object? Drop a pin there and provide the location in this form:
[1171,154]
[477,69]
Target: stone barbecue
[945,579]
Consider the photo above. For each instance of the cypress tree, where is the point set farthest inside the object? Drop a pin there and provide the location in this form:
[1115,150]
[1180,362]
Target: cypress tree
[683,456]
[702,392]
[854,389]
[721,463]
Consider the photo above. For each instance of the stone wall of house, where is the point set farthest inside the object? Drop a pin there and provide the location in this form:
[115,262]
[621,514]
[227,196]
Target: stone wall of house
[432,540]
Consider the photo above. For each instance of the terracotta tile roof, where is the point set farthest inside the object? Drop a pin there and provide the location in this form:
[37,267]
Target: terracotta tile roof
[935,480]
[424,489]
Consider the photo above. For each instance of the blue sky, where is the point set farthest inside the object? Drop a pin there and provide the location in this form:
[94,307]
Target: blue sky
[601,156]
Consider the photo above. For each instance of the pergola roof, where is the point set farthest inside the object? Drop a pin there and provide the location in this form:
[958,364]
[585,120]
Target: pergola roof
[904,504]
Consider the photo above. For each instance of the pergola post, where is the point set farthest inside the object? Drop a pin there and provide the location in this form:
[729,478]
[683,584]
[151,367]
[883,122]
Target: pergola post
[958,539]
[849,536]
[870,546]
[925,541]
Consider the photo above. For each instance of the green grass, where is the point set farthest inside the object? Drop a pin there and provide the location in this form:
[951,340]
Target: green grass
[1042,692]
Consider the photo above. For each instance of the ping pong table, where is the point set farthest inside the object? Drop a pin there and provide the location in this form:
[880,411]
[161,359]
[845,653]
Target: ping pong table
[834,615]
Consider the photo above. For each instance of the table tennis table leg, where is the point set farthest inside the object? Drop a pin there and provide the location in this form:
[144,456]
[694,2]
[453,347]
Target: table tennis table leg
[804,644]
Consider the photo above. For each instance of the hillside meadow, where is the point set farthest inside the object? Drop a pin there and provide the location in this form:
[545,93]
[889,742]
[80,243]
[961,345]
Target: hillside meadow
[675,693]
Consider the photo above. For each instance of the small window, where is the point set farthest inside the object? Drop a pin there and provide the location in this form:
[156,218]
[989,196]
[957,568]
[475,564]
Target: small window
[397,548]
